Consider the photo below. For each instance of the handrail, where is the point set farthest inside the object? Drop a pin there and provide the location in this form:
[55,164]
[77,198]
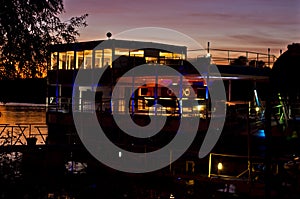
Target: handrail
[246,166]
[19,133]
[218,56]
[226,50]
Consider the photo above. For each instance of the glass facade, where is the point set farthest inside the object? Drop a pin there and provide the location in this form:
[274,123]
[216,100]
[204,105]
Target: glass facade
[62,60]
[70,60]
[120,57]
[98,58]
[79,59]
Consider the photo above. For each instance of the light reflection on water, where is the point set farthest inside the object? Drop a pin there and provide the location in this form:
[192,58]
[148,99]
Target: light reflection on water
[13,114]
[21,113]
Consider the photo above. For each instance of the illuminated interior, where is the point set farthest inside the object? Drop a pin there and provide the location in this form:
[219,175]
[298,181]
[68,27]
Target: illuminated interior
[70,58]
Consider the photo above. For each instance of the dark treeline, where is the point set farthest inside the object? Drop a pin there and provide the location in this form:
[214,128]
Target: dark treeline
[23,90]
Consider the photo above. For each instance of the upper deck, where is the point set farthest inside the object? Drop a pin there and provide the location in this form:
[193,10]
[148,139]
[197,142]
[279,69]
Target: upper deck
[118,53]
[101,53]
[116,57]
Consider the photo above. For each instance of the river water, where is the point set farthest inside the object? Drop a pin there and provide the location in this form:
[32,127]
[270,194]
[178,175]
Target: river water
[12,113]
[30,117]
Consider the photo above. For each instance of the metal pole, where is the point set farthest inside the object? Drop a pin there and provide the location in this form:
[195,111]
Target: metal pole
[170,164]
[269,57]
[209,165]
[268,135]
[208,44]
[229,90]
[249,146]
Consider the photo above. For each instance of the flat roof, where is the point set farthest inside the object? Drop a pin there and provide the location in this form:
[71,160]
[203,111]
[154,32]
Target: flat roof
[114,43]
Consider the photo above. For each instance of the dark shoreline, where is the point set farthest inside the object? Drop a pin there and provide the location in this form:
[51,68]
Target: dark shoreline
[24,91]
[21,104]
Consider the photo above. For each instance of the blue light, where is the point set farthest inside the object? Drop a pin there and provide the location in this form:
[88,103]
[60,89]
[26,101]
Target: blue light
[256,98]
[206,93]
[260,133]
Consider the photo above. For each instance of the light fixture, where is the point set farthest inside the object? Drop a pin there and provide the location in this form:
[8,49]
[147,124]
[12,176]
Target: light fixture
[257,109]
[220,166]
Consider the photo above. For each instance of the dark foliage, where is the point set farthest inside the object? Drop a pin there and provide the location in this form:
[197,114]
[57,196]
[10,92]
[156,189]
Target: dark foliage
[27,28]
[285,77]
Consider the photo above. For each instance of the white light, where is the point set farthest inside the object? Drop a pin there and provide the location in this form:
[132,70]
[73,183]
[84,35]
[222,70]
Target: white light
[120,154]
[257,109]
[171,196]
[200,107]
[186,92]
[220,166]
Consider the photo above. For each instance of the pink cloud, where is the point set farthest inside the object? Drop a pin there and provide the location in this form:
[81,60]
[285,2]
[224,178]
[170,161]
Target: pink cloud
[234,23]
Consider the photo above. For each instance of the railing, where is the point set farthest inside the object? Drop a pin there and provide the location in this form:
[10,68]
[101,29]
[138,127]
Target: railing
[235,57]
[118,106]
[216,56]
[59,104]
[238,167]
[23,134]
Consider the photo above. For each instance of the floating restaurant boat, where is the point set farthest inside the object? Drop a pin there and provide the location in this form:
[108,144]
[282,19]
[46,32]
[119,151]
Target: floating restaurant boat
[117,92]
[244,82]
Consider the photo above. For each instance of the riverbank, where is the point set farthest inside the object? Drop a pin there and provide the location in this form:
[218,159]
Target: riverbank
[20,104]
[31,91]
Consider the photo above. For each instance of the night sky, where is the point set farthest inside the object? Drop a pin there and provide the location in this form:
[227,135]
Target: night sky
[232,24]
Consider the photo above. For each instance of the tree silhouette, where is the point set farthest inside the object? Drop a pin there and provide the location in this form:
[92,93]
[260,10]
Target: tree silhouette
[27,28]
[284,80]
[285,77]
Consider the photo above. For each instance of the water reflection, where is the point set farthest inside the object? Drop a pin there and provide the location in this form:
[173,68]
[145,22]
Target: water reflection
[17,118]
[18,113]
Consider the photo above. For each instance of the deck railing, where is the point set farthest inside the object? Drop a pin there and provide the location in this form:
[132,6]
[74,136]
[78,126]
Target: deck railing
[23,134]
[118,106]
[238,167]
[235,57]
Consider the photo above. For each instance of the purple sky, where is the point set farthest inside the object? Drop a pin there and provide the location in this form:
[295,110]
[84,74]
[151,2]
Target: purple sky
[231,24]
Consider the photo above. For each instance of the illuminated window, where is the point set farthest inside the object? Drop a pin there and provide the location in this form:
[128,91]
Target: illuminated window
[62,60]
[166,55]
[150,60]
[107,59]
[98,58]
[137,53]
[181,56]
[121,51]
[79,59]
[87,59]
[178,56]
[54,57]
[70,60]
